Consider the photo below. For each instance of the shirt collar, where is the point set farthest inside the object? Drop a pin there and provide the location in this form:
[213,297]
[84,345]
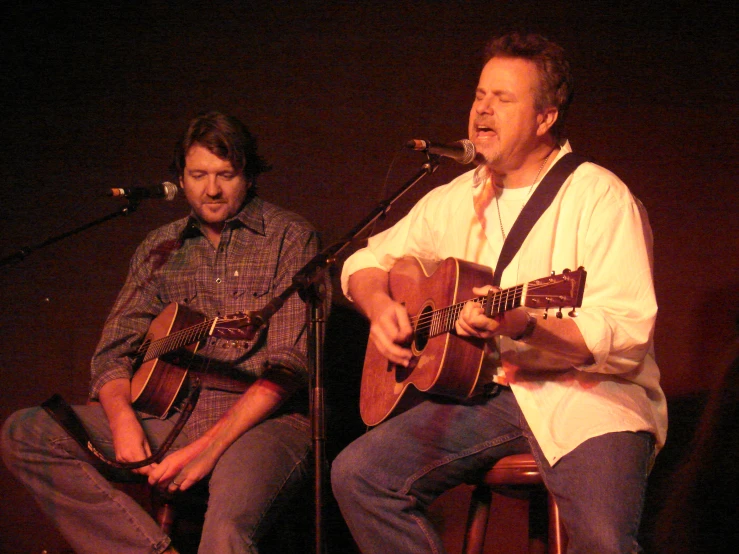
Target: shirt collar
[481,175]
[251,216]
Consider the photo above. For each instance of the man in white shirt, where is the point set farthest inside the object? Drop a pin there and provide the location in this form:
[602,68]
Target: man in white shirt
[581,394]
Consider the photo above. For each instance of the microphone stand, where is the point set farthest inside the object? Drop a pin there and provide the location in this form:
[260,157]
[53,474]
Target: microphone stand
[304,282]
[25,251]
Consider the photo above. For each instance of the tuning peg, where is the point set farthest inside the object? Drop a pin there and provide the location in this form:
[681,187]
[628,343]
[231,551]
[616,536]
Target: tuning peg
[546,313]
[559,313]
[573,312]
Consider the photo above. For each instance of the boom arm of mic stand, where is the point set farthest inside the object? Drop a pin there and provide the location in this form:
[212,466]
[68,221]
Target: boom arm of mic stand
[302,281]
[311,271]
[24,252]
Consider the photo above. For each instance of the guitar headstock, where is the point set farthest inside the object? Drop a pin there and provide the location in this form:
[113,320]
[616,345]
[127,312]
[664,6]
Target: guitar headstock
[557,291]
[238,326]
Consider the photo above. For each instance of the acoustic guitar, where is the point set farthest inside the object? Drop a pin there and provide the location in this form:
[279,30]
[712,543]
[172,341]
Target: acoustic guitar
[156,383]
[443,362]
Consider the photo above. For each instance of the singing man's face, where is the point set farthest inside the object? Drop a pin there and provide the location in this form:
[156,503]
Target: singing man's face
[504,121]
[214,190]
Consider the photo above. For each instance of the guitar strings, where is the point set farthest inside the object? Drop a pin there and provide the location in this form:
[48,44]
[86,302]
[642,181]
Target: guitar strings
[442,320]
[513,293]
[178,339]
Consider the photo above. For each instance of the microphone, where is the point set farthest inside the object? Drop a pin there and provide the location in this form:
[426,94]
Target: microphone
[462,151]
[166,190]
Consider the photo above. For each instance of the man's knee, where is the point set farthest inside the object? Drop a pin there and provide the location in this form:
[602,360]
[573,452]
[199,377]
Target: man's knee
[341,473]
[13,431]
[351,473]
[604,539]
[600,527]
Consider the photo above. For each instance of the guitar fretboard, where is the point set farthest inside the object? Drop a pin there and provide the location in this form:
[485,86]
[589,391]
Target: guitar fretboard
[178,339]
[436,322]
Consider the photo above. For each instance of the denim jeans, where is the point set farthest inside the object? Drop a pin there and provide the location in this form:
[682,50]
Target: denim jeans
[385,481]
[250,483]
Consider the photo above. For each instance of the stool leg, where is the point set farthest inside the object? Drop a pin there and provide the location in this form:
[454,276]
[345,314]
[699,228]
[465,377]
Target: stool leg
[165,518]
[557,534]
[477,520]
[538,521]
[164,509]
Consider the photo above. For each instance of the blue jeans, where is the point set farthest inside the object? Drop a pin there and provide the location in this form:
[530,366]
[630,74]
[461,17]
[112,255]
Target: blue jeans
[385,481]
[250,482]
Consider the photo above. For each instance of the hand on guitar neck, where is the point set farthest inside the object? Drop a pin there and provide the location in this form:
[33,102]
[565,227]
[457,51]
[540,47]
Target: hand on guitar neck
[391,329]
[427,330]
[556,335]
[473,322]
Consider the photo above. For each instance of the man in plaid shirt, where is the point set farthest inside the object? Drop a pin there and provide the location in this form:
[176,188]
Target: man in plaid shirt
[233,253]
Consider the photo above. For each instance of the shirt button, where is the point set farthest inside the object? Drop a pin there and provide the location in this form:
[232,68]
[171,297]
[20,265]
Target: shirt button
[218,280]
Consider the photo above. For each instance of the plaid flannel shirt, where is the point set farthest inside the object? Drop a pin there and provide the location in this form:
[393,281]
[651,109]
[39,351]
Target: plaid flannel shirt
[260,250]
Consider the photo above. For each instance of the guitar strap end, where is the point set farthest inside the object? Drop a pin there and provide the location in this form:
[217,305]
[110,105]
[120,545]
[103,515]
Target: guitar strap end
[65,416]
[61,412]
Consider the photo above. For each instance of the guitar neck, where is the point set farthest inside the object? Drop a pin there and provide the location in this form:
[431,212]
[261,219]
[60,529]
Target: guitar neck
[179,339]
[437,322]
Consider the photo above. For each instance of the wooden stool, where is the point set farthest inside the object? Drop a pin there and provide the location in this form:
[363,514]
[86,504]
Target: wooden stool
[180,515]
[512,476]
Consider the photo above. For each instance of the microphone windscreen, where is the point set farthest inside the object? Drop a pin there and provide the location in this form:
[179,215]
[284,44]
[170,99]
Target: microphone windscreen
[170,190]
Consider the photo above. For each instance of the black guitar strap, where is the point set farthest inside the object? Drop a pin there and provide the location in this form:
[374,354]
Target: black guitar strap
[537,205]
[65,416]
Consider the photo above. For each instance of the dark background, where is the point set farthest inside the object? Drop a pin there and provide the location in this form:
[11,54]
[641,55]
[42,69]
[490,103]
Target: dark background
[94,97]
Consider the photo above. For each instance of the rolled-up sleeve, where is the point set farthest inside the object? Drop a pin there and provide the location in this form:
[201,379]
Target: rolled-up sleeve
[619,309]
[287,358]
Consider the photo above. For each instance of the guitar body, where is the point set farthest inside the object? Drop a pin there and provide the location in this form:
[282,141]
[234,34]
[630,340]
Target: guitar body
[156,384]
[444,364]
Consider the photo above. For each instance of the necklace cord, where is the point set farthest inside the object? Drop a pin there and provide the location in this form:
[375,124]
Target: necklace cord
[497,204]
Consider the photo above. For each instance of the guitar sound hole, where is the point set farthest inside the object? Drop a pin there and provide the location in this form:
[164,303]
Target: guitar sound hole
[423,326]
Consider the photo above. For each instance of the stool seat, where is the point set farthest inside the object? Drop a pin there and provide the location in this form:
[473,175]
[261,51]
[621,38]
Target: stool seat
[510,476]
[519,469]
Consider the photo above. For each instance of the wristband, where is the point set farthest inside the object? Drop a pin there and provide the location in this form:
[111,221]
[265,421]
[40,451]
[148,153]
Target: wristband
[528,330]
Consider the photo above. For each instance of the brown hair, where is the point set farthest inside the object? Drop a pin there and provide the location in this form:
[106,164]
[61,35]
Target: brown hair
[224,136]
